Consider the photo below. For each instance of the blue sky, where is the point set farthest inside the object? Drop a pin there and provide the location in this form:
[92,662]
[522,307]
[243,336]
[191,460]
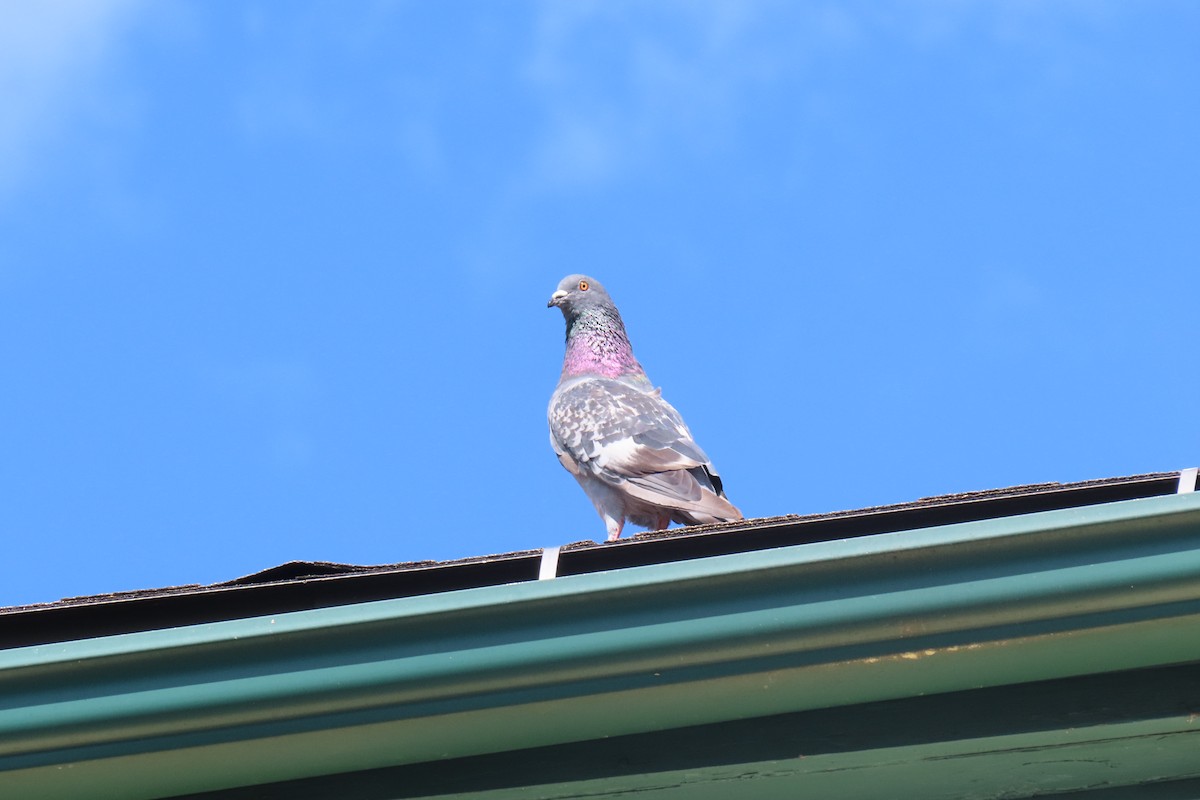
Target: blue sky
[273,275]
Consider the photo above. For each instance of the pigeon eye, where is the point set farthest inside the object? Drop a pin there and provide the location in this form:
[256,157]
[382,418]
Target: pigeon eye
[583,286]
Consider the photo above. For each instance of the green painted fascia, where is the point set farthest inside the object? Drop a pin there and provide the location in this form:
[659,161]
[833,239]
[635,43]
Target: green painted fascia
[1025,765]
[1018,599]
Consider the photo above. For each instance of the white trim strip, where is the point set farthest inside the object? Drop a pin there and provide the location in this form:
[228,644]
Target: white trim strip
[1187,480]
[549,567]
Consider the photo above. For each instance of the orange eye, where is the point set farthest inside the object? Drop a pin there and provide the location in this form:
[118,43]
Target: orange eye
[583,286]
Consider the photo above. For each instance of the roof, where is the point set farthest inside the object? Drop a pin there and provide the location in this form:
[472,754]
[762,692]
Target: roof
[1014,643]
[300,585]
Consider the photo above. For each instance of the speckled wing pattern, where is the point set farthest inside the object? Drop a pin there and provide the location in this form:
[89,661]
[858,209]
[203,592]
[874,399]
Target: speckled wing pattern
[630,439]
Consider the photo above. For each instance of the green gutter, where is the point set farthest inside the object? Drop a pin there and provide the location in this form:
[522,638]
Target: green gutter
[197,708]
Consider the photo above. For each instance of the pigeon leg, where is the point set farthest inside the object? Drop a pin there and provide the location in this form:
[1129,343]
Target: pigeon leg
[662,522]
[614,525]
[608,504]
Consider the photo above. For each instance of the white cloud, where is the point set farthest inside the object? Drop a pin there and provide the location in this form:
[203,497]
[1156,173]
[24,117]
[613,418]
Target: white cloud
[623,84]
[52,54]
[615,88]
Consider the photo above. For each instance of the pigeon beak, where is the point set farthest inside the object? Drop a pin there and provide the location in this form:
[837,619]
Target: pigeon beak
[557,298]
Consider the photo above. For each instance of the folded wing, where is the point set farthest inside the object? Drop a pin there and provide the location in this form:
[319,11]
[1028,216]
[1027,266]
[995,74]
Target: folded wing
[636,442]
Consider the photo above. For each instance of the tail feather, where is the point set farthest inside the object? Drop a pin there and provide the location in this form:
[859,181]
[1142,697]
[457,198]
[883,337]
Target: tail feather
[717,509]
[690,501]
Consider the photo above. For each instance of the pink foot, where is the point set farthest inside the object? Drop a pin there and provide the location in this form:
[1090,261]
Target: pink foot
[615,526]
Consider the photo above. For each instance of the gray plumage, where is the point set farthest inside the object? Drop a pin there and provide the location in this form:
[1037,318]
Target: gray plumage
[628,448]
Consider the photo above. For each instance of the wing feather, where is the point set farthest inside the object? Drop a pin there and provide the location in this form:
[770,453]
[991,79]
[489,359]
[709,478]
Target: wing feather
[620,431]
[634,441]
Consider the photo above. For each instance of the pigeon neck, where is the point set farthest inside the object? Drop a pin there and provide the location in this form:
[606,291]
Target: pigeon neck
[597,345]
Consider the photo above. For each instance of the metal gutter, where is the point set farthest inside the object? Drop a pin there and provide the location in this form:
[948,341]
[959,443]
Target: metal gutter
[1054,594]
[297,586]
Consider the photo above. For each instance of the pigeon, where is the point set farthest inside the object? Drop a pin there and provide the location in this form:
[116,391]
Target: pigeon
[628,448]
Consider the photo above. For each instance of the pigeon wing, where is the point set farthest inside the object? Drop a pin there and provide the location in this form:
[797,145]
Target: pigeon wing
[635,441]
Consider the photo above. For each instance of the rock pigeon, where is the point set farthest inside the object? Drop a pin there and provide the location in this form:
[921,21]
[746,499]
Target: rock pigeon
[627,447]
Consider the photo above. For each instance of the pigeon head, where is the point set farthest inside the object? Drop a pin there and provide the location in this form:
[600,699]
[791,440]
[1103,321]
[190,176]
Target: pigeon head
[578,293]
[596,339]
